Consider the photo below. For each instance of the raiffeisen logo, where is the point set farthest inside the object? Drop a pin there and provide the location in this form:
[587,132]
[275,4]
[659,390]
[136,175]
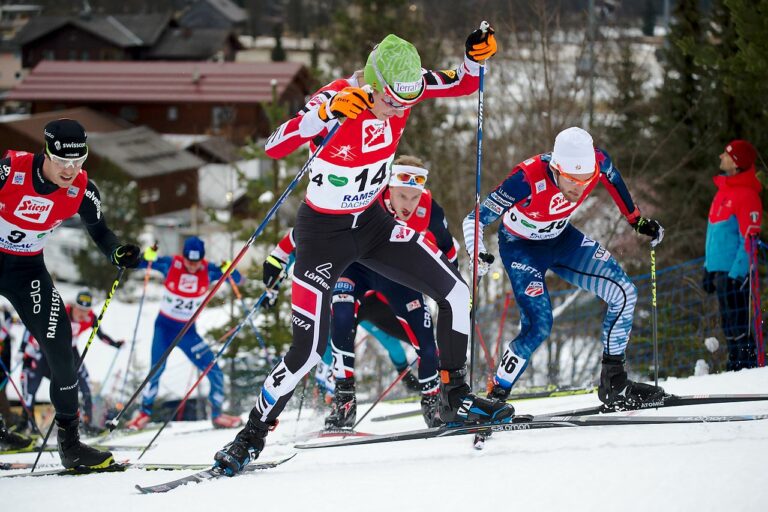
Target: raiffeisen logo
[34,209]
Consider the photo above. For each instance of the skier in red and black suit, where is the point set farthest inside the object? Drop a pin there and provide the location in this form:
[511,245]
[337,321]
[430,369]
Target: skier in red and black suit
[36,367]
[411,204]
[341,222]
[37,193]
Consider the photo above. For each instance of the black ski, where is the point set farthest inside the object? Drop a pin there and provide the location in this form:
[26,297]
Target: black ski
[80,470]
[208,474]
[108,447]
[532,423]
[666,401]
[527,395]
[149,466]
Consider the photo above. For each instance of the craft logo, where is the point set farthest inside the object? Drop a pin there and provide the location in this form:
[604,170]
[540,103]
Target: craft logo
[534,289]
[376,135]
[34,209]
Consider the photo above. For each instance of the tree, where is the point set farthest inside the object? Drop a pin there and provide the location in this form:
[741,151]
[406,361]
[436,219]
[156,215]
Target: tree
[278,53]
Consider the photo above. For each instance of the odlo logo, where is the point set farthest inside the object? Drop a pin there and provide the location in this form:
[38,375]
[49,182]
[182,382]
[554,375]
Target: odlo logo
[34,209]
[35,296]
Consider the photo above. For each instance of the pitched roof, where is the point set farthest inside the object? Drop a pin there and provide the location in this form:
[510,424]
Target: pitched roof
[199,43]
[158,82]
[125,31]
[227,8]
[142,152]
[92,120]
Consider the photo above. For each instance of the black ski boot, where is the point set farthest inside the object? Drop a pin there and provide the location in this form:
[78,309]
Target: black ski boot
[246,447]
[411,382]
[459,406]
[344,406]
[499,393]
[73,453]
[12,442]
[430,405]
[618,393]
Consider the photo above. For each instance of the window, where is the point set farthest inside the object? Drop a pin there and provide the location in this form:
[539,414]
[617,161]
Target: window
[149,195]
[181,189]
[173,113]
[85,55]
[129,113]
[72,55]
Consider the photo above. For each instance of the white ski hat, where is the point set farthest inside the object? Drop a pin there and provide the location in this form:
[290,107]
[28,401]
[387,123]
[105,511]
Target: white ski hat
[574,151]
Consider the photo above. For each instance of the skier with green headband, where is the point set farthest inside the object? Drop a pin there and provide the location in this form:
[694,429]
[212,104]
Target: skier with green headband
[341,222]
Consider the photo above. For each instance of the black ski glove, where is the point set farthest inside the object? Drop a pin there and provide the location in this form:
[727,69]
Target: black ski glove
[127,255]
[651,228]
[273,267]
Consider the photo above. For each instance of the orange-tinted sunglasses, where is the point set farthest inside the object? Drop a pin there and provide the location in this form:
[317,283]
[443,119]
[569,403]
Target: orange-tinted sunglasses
[576,181]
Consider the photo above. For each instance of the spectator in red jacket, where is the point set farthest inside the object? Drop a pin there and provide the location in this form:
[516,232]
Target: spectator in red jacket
[734,217]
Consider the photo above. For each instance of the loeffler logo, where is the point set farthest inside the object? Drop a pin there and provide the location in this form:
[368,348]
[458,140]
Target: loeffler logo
[34,209]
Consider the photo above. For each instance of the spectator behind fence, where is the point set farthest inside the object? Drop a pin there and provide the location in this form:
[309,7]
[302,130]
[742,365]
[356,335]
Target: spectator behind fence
[735,215]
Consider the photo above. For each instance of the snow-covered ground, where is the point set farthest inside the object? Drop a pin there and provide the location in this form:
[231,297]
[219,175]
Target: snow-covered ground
[653,467]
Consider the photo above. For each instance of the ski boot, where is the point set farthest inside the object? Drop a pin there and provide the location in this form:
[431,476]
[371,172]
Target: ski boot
[13,442]
[618,393]
[226,421]
[430,405]
[73,453]
[497,392]
[344,406]
[246,447]
[410,381]
[138,422]
[458,406]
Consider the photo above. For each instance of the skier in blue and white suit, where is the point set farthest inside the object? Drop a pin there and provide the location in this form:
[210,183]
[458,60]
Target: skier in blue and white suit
[536,201]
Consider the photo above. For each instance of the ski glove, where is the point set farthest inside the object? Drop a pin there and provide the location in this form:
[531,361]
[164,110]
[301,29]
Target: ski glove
[349,102]
[273,267]
[484,263]
[651,228]
[708,282]
[150,253]
[225,266]
[127,256]
[481,45]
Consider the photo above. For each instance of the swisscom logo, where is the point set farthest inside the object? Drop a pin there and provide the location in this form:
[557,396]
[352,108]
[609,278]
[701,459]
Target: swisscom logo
[34,209]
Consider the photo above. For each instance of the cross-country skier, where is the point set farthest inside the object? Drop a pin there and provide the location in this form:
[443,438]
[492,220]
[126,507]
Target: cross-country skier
[187,279]
[407,199]
[341,222]
[536,201]
[38,192]
[36,366]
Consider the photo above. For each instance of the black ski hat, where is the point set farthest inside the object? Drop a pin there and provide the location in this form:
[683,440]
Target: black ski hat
[65,138]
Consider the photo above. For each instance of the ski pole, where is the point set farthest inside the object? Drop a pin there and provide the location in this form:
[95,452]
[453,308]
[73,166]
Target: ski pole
[112,424]
[120,272]
[21,397]
[7,377]
[135,331]
[301,403]
[256,333]
[484,26]
[205,372]
[654,319]
[385,393]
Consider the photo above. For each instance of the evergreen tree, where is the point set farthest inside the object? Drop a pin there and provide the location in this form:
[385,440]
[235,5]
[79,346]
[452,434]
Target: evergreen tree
[278,53]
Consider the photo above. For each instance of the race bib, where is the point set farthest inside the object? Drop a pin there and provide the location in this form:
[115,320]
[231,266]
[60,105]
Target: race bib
[16,240]
[336,189]
[179,308]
